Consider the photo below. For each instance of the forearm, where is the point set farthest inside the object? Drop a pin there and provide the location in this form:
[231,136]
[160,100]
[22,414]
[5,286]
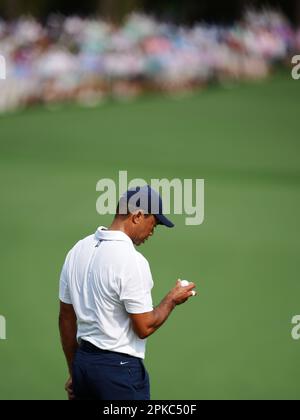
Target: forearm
[145,324]
[160,314]
[68,332]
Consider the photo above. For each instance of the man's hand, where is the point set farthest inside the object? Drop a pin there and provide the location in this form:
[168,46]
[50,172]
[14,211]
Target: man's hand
[181,294]
[147,323]
[69,389]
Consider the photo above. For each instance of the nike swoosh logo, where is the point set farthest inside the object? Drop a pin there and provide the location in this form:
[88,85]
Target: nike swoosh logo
[123,363]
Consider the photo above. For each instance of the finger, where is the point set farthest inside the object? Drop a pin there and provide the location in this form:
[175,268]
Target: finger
[68,388]
[190,286]
[71,394]
[193,293]
[71,397]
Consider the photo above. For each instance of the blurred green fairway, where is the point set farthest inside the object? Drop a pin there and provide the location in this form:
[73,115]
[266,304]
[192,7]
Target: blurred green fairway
[233,341]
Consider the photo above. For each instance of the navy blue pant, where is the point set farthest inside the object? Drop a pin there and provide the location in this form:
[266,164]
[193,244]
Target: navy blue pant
[106,375]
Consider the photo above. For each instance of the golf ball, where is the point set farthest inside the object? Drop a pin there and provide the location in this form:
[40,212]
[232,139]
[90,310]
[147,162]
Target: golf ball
[184,283]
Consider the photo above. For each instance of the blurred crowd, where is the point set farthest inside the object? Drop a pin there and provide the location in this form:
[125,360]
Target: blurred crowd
[89,60]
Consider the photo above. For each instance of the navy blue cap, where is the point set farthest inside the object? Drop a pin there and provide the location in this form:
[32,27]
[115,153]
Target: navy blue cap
[144,198]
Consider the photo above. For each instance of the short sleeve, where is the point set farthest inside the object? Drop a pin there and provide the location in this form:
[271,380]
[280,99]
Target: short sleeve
[136,286]
[64,292]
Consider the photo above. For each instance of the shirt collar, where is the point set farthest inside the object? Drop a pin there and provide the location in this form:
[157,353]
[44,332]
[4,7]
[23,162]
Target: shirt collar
[103,234]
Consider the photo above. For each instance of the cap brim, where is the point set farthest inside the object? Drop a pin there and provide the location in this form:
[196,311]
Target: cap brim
[164,221]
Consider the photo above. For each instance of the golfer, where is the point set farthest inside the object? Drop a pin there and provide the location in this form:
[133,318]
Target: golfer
[106,310]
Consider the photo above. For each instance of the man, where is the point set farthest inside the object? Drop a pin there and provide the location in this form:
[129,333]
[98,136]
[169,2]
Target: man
[106,310]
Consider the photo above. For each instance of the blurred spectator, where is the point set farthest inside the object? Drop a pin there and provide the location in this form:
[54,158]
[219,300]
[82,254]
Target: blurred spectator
[87,60]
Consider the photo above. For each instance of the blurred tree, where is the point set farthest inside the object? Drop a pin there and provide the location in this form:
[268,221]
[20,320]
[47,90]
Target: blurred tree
[11,9]
[297,11]
[179,11]
[115,11]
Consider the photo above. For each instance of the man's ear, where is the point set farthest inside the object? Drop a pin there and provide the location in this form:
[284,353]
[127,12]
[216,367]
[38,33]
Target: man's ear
[137,216]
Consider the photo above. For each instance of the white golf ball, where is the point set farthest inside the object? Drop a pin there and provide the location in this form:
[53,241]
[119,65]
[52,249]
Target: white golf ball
[184,283]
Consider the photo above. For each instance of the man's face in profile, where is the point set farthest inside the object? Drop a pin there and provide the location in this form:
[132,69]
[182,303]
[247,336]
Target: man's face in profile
[143,227]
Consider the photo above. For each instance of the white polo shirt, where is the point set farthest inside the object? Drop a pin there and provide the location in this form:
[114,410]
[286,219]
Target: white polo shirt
[105,278]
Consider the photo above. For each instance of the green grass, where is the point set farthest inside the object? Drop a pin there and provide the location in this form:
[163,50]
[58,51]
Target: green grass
[234,340]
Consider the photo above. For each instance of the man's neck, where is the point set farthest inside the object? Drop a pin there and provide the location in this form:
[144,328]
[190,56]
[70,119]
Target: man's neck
[118,225]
